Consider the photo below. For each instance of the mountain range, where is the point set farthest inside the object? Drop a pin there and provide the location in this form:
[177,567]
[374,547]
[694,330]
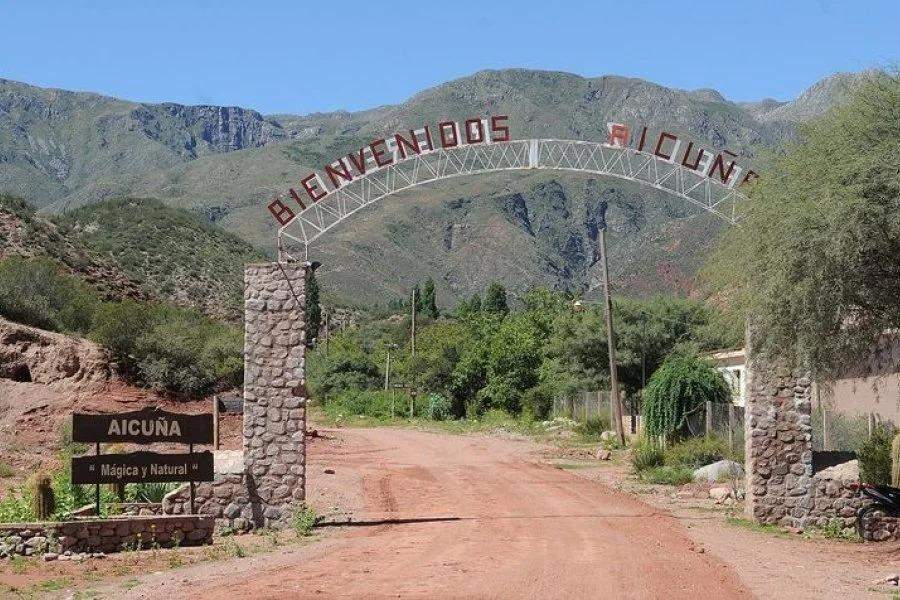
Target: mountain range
[61,151]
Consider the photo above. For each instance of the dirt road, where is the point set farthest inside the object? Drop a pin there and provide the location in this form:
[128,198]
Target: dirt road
[485,520]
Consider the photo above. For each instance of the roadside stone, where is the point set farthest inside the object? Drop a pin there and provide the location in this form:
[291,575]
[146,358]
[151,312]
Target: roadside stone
[603,454]
[719,494]
[50,556]
[719,471]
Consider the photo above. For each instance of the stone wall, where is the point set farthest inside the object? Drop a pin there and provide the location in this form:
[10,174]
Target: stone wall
[778,443]
[781,487]
[270,479]
[105,535]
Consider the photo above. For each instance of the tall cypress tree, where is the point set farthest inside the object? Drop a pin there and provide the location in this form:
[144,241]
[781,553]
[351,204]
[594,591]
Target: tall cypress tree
[429,301]
[495,299]
[313,309]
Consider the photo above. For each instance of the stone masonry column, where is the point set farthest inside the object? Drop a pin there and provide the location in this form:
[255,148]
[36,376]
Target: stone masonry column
[778,443]
[274,390]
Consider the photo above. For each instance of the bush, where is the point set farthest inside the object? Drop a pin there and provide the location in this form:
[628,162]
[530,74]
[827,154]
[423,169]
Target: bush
[697,452]
[367,403]
[537,402]
[875,458]
[679,389]
[646,456]
[593,427]
[303,521]
[666,475]
[169,348]
[36,292]
[437,408]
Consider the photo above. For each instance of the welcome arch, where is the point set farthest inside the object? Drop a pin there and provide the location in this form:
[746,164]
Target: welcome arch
[658,171]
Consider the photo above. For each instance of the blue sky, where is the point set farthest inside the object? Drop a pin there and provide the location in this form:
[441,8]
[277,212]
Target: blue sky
[302,57]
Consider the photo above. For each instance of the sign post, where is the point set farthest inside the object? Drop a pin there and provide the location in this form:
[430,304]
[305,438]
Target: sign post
[146,426]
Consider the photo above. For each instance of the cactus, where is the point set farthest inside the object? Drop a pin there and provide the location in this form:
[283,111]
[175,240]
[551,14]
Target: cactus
[895,461]
[43,500]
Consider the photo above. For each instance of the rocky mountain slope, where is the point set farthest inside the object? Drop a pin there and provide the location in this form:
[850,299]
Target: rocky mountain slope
[138,249]
[62,150]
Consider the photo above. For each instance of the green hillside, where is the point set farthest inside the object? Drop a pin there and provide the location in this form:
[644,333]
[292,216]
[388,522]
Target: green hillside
[63,150]
[170,253]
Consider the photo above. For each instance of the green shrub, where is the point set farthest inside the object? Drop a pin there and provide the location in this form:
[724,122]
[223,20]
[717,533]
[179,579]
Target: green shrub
[646,455]
[697,452]
[6,470]
[368,403]
[666,475]
[537,402]
[679,389]
[593,427]
[36,292]
[151,492]
[169,348]
[437,408]
[303,521]
[875,458]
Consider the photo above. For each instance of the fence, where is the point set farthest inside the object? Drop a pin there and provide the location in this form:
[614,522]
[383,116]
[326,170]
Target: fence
[724,420]
[832,430]
[583,405]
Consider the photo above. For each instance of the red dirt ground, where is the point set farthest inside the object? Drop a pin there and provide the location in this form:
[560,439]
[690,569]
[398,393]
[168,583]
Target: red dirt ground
[519,529]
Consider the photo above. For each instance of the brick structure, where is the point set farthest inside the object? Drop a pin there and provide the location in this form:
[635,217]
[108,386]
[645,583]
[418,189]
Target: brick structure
[271,481]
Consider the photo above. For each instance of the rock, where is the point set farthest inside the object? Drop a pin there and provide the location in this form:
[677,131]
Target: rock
[848,471]
[329,471]
[719,471]
[720,493]
[892,580]
[64,557]
[607,436]
[50,556]
[603,454]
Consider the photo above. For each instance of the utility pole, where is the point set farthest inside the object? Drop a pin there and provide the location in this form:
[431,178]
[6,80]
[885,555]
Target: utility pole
[610,334]
[387,367]
[413,337]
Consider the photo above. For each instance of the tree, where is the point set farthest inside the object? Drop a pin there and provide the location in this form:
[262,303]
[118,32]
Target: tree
[816,260]
[429,301]
[678,390]
[495,299]
[313,309]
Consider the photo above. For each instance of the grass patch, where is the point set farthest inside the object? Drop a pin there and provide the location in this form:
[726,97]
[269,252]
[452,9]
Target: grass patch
[131,583]
[666,475]
[303,521]
[54,585]
[6,470]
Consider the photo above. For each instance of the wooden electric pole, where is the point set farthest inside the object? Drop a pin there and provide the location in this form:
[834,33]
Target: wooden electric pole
[413,337]
[610,334]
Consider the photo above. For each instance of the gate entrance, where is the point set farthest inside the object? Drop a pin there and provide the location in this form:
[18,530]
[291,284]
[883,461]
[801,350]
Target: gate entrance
[270,481]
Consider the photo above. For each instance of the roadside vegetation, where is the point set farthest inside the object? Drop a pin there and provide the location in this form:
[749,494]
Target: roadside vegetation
[50,495]
[502,356]
[178,350]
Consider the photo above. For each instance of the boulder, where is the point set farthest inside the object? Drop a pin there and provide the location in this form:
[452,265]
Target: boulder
[720,493]
[719,471]
[603,454]
[848,471]
[608,436]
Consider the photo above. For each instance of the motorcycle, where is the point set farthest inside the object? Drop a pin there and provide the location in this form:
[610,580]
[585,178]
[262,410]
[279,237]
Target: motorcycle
[886,499]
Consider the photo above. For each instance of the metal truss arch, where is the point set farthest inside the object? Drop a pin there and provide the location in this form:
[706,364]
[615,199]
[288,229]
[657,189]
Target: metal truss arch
[590,158]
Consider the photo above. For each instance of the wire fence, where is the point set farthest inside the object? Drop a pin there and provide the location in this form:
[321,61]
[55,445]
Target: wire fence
[583,405]
[724,420]
[834,430]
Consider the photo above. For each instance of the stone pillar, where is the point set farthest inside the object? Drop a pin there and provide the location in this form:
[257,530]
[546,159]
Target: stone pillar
[274,394]
[778,443]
